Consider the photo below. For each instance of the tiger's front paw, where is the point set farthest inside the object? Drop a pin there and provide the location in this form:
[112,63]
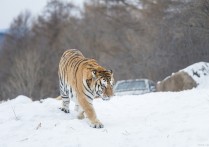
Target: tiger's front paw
[66,110]
[96,124]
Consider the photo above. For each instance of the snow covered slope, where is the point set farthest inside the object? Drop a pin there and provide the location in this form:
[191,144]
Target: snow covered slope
[155,119]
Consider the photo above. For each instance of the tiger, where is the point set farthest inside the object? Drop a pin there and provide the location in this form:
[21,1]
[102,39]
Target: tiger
[82,80]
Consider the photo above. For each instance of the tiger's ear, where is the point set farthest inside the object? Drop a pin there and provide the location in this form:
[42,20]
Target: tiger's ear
[110,70]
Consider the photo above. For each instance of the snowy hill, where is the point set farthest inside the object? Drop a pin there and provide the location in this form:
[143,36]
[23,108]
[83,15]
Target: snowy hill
[161,119]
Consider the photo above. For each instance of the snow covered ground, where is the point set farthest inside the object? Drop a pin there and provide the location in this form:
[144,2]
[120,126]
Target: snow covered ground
[161,119]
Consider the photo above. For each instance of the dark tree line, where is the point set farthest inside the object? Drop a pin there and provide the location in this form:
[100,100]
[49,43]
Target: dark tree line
[137,39]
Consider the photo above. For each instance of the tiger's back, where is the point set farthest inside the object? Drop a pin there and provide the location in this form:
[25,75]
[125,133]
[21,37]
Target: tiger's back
[68,64]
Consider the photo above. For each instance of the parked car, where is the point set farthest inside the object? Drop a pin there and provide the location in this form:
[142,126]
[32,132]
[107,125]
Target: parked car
[134,87]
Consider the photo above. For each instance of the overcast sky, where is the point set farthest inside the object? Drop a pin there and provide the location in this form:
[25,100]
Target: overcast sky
[11,8]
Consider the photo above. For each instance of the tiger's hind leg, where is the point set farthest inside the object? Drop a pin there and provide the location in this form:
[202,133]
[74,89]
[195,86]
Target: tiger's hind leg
[65,104]
[80,112]
[64,92]
[81,115]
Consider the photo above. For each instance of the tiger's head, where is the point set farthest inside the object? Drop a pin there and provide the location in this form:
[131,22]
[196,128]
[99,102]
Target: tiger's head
[102,83]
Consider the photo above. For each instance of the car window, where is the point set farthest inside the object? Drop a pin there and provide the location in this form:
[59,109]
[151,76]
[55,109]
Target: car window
[131,85]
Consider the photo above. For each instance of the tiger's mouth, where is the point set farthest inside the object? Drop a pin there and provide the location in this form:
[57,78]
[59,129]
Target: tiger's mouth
[101,95]
[105,98]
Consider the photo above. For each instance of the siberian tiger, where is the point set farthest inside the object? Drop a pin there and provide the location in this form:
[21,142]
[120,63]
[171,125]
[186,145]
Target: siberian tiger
[82,80]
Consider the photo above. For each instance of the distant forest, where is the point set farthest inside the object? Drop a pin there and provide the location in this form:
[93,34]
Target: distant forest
[136,39]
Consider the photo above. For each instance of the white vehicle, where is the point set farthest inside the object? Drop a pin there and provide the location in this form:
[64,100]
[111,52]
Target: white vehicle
[134,87]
